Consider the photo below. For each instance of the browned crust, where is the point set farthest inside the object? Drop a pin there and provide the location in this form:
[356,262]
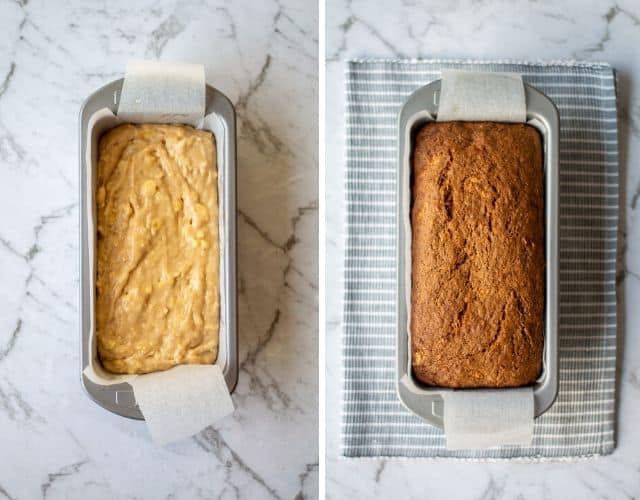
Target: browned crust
[477,219]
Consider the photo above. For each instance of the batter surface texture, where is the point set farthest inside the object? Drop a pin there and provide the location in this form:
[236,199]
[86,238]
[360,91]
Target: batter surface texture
[157,283]
[478,259]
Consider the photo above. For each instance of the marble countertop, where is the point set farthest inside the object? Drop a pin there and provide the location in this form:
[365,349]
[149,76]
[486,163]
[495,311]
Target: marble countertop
[574,29]
[56,443]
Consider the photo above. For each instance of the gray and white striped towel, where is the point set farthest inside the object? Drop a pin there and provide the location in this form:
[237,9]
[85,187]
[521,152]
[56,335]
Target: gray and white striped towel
[582,420]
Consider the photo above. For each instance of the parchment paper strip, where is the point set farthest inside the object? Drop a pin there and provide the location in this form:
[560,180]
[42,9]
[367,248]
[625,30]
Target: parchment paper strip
[477,96]
[487,418]
[478,419]
[161,92]
[182,401]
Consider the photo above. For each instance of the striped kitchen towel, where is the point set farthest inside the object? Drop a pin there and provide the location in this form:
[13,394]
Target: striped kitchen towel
[582,420]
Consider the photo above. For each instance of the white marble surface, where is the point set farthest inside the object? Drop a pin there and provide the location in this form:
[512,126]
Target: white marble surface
[593,30]
[54,442]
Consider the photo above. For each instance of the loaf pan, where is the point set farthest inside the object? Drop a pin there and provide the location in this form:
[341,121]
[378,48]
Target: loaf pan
[420,108]
[119,398]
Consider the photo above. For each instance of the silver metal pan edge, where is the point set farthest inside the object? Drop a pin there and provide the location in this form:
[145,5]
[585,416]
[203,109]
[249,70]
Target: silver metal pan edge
[119,398]
[420,108]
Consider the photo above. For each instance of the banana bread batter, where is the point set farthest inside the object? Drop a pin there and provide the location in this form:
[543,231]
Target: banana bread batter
[157,285]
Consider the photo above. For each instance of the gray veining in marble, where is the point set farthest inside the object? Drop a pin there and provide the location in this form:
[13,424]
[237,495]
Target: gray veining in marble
[524,30]
[54,442]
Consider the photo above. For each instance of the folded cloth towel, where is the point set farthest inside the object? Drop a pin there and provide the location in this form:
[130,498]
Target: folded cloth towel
[582,420]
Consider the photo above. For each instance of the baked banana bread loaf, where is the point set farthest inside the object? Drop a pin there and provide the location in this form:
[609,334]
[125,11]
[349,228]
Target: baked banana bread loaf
[157,283]
[477,217]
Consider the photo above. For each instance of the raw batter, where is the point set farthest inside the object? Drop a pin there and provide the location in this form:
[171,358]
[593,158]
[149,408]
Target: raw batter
[157,285]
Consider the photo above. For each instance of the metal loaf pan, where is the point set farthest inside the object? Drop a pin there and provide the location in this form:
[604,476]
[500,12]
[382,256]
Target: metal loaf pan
[118,398]
[422,107]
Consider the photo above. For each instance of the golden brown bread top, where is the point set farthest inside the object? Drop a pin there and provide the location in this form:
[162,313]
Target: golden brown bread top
[157,296]
[477,255]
